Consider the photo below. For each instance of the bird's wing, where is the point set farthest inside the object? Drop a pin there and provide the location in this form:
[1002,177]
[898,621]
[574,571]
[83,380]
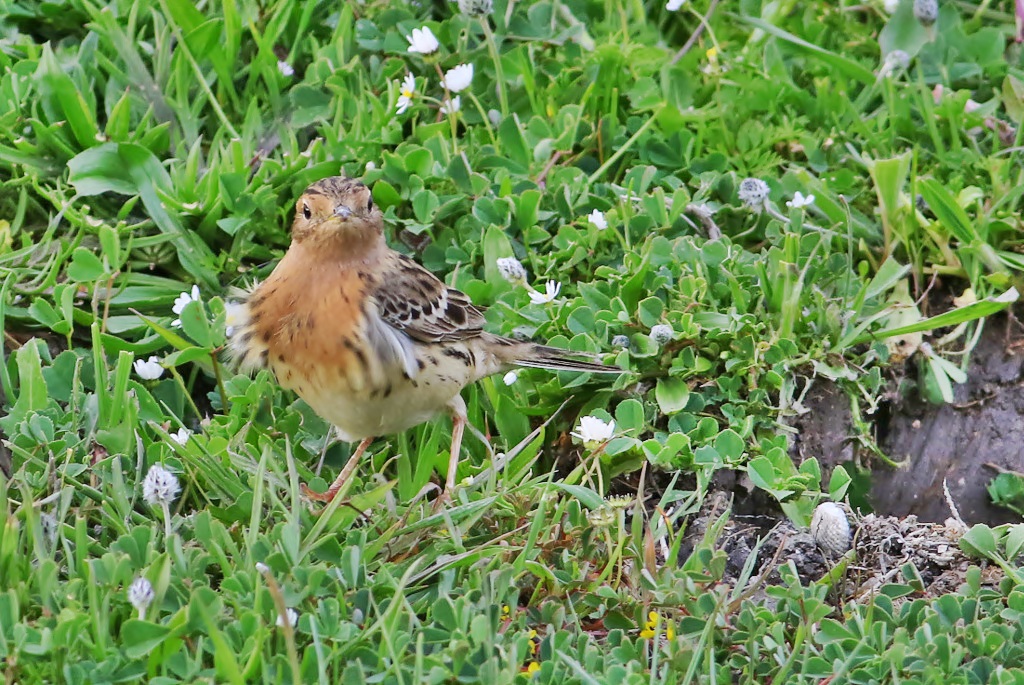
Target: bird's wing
[416,302]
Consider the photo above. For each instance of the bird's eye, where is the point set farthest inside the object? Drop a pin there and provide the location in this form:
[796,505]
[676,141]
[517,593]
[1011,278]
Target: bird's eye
[369,205]
[306,212]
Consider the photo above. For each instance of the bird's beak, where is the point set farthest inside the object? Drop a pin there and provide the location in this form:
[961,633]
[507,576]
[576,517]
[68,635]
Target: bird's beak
[342,212]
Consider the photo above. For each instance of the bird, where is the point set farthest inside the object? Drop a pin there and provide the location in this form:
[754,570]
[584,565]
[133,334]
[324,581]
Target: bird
[373,342]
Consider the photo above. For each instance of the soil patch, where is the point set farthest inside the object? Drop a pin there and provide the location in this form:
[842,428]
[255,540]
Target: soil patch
[962,443]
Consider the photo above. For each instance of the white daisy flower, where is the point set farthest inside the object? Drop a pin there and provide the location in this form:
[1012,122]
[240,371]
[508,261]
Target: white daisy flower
[406,94]
[596,218]
[551,289]
[452,106]
[458,78]
[422,41]
[183,299]
[181,436]
[149,369]
[799,200]
[293,618]
[593,431]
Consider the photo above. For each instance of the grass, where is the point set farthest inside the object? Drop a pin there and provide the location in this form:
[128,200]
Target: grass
[147,147]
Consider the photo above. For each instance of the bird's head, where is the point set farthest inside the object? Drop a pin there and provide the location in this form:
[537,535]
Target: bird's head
[338,213]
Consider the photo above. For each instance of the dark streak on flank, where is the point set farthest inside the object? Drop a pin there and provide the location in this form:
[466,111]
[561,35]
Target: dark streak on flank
[457,354]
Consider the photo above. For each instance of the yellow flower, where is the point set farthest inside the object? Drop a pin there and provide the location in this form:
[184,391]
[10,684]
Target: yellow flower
[711,54]
[533,667]
[533,643]
[651,627]
[505,610]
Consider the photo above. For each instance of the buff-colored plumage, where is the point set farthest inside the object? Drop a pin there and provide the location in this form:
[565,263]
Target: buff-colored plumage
[371,340]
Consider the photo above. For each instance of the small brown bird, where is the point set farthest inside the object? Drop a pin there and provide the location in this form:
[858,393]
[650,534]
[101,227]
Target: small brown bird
[371,340]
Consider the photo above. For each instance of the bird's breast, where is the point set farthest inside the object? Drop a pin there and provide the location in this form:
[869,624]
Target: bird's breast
[306,324]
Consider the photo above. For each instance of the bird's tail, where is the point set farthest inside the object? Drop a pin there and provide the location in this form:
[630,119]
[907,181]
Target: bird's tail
[556,359]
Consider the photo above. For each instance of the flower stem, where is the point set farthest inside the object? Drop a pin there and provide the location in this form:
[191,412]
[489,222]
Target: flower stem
[499,72]
[486,120]
[286,626]
[167,522]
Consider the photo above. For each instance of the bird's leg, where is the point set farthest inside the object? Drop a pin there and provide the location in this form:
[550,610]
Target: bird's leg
[457,408]
[458,426]
[328,441]
[345,474]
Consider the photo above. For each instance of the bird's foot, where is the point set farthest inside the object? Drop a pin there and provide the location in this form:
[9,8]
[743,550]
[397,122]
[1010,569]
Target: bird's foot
[324,497]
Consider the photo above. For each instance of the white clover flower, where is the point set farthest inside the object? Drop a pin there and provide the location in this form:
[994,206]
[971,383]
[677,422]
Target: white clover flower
[183,299]
[830,528]
[511,269]
[620,341]
[661,333]
[181,435]
[593,431]
[406,93]
[262,568]
[897,59]
[800,201]
[140,594]
[371,166]
[285,68]
[452,106]
[510,377]
[422,41]
[494,116]
[753,192]
[293,618]
[596,218]
[476,8]
[149,369]
[48,524]
[457,79]
[674,5]
[926,11]
[551,289]
[160,486]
